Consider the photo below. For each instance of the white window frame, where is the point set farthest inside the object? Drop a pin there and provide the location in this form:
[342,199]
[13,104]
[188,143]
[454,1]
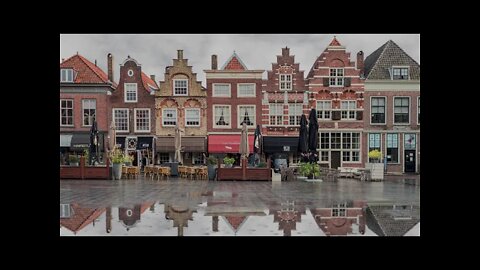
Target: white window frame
[161,156]
[418,110]
[398,147]
[163,117]
[348,110]
[380,144]
[276,115]
[66,108]
[409,110]
[198,158]
[385,109]
[175,88]
[240,117]
[330,148]
[199,117]
[292,108]
[392,75]
[130,72]
[125,90]
[135,119]
[335,77]
[229,116]
[83,111]
[284,81]
[246,95]
[215,94]
[115,121]
[65,210]
[65,78]
[322,111]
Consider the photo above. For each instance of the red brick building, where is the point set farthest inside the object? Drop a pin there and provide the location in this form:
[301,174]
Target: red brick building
[392,108]
[284,101]
[336,89]
[84,90]
[233,96]
[132,108]
[341,219]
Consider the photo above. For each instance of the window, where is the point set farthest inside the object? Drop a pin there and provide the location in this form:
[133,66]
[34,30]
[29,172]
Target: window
[324,110]
[89,108]
[400,73]
[378,110]
[66,75]
[374,140]
[169,117]
[66,112]
[130,73]
[285,81]
[198,158]
[324,140]
[180,87]
[142,120]
[335,142]
[163,158]
[392,148]
[410,141]
[401,110]
[339,210]
[246,113]
[418,111]
[120,116]
[336,77]
[348,109]
[276,114]
[296,158]
[130,92]
[324,156]
[65,211]
[221,90]
[246,90]
[294,114]
[347,142]
[192,117]
[221,116]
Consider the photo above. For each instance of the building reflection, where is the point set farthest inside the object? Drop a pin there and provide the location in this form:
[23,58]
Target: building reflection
[392,219]
[130,216]
[180,214]
[75,218]
[287,214]
[341,218]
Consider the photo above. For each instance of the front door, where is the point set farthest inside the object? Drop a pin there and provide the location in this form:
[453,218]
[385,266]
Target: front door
[335,163]
[409,160]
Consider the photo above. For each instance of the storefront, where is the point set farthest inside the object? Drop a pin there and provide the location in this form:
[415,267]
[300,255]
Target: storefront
[140,147]
[280,149]
[193,150]
[77,143]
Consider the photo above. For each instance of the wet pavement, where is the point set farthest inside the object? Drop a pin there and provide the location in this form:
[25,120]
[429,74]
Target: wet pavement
[200,208]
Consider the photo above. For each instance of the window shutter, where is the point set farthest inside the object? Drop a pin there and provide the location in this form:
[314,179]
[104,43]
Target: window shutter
[348,82]
[359,115]
[326,81]
[336,115]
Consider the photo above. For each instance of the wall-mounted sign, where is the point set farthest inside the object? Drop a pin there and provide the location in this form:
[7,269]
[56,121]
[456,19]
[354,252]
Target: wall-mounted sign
[286,148]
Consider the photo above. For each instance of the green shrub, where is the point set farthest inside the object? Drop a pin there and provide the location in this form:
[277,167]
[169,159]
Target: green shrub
[212,160]
[228,161]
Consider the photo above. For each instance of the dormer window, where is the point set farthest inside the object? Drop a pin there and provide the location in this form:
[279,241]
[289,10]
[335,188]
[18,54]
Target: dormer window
[285,81]
[66,75]
[400,73]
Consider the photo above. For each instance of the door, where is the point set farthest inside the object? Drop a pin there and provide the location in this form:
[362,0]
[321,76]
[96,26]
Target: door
[335,163]
[410,160]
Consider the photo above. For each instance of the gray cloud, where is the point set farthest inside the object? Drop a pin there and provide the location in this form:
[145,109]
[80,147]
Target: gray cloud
[257,51]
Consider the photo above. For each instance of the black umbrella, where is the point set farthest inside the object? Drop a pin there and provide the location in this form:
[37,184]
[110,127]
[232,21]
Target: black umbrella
[312,134]
[303,137]
[93,142]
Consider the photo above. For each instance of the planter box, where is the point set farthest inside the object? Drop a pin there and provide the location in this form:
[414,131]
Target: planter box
[376,170]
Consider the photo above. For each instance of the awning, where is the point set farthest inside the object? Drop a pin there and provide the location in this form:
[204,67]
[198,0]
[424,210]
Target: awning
[227,143]
[65,140]
[80,140]
[189,144]
[144,142]
[280,144]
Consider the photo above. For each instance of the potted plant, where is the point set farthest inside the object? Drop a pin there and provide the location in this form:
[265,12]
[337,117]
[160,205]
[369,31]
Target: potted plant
[309,170]
[262,164]
[127,159]
[228,162]
[73,160]
[118,158]
[376,166]
[212,165]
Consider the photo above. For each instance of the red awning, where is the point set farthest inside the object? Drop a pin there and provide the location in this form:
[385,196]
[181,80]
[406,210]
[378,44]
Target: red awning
[227,143]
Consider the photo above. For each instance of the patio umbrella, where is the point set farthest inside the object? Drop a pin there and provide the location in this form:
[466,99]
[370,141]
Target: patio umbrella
[257,144]
[303,137]
[312,134]
[178,144]
[244,141]
[111,136]
[246,119]
[93,142]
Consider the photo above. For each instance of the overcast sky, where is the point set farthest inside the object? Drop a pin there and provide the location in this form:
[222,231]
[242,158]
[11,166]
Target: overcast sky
[257,51]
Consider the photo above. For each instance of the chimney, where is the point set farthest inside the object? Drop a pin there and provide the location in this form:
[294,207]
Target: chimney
[179,54]
[285,51]
[95,62]
[110,67]
[153,78]
[360,64]
[214,61]
[63,59]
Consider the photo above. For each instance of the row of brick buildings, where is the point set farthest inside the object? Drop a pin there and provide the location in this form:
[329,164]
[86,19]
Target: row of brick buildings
[373,103]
